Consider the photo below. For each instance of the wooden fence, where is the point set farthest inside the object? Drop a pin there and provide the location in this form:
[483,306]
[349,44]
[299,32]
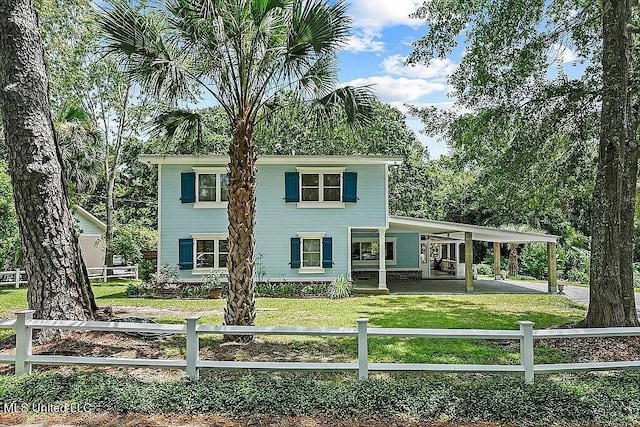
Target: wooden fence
[19,277]
[24,325]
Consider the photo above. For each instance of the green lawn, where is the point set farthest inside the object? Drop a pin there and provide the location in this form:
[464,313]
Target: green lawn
[495,311]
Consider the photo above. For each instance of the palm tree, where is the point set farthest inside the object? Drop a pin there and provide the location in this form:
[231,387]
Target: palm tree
[244,53]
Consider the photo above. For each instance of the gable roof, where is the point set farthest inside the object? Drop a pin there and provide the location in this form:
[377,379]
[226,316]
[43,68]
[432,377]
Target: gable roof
[79,210]
[157,159]
[455,231]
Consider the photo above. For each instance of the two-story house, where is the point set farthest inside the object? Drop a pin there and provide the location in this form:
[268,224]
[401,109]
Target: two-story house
[318,217]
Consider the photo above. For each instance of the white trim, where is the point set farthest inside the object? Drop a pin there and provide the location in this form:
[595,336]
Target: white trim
[349,262]
[320,169]
[386,195]
[320,205]
[90,217]
[311,235]
[216,237]
[218,203]
[455,231]
[270,160]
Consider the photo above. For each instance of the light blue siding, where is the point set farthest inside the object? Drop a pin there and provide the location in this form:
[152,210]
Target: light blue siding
[87,226]
[276,220]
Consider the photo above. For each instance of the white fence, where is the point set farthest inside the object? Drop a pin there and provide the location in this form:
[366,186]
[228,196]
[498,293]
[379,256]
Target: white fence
[25,324]
[119,272]
[13,278]
[19,277]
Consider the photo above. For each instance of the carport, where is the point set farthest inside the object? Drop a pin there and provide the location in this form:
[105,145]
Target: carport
[459,239]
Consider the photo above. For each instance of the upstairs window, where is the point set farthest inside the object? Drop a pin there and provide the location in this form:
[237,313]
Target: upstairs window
[212,187]
[321,187]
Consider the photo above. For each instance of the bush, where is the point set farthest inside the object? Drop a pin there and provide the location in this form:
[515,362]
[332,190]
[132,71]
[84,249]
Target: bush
[341,287]
[290,289]
[138,291]
[146,267]
[534,261]
[485,269]
[458,399]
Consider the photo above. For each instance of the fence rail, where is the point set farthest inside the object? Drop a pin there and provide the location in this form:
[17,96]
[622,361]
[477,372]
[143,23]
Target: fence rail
[19,277]
[13,278]
[24,324]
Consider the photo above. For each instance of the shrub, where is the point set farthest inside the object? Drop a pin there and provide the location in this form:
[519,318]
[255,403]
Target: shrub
[485,269]
[138,291]
[534,260]
[290,289]
[341,287]
[195,291]
[146,267]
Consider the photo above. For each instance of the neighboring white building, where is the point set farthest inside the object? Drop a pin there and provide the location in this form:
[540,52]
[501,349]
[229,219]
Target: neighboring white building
[91,237]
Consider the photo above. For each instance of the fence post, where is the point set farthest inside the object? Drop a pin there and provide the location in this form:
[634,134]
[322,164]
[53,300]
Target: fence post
[363,350]
[104,273]
[18,274]
[526,350]
[193,347]
[23,341]
[136,270]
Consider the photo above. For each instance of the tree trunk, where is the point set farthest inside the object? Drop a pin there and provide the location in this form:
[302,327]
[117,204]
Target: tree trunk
[240,308]
[58,281]
[513,259]
[609,224]
[108,234]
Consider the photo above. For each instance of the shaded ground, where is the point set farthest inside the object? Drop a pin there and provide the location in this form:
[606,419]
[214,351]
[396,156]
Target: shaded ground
[142,420]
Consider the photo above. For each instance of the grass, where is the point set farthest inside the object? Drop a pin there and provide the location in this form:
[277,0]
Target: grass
[490,311]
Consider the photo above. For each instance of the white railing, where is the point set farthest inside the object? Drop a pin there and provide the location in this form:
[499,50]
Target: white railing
[13,278]
[18,277]
[119,272]
[24,325]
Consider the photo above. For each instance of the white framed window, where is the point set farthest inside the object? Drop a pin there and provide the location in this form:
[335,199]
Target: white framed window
[211,251]
[321,187]
[311,252]
[212,188]
[366,250]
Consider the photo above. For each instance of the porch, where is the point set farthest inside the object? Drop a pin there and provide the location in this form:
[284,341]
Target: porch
[410,250]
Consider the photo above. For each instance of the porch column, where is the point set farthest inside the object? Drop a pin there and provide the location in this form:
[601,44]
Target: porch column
[496,260]
[551,266]
[382,272]
[468,261]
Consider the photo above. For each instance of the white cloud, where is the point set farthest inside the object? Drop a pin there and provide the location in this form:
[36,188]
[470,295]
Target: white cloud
[378,14]
[562,54]
[370,17]
[364,41]
[399,90]
[437,69]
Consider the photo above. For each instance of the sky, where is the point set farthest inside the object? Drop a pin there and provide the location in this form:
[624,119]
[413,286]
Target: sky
[381,40]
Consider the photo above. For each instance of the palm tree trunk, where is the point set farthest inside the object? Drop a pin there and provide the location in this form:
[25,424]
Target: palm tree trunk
[240,308]
[513,259]
[58,281]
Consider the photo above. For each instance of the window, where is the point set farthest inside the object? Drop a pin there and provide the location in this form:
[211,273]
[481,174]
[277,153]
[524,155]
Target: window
[311,253]
[212,187]
[321,187]
[363,250]
[211,251]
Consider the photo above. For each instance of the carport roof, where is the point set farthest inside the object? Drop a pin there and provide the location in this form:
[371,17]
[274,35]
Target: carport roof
[453,230]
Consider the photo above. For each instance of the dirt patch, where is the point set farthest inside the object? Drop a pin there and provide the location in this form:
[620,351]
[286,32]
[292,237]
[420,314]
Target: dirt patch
[598,349]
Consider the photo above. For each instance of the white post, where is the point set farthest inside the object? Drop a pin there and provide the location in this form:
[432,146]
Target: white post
[526,350]
[136,271]
[363,350]
[382,271]
[104,273]
[23,341]
[193,347]
[18,274]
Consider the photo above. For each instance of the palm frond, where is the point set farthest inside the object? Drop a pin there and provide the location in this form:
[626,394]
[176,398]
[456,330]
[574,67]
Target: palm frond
[356,102]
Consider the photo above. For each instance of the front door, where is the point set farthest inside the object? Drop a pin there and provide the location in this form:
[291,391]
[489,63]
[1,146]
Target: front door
[425,258]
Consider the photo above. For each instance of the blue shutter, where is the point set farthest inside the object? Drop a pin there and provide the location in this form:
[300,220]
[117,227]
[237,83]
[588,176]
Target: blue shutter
[350,187]
[185,254]
[295,252]
[291,187]
[327,252]
[188,187]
